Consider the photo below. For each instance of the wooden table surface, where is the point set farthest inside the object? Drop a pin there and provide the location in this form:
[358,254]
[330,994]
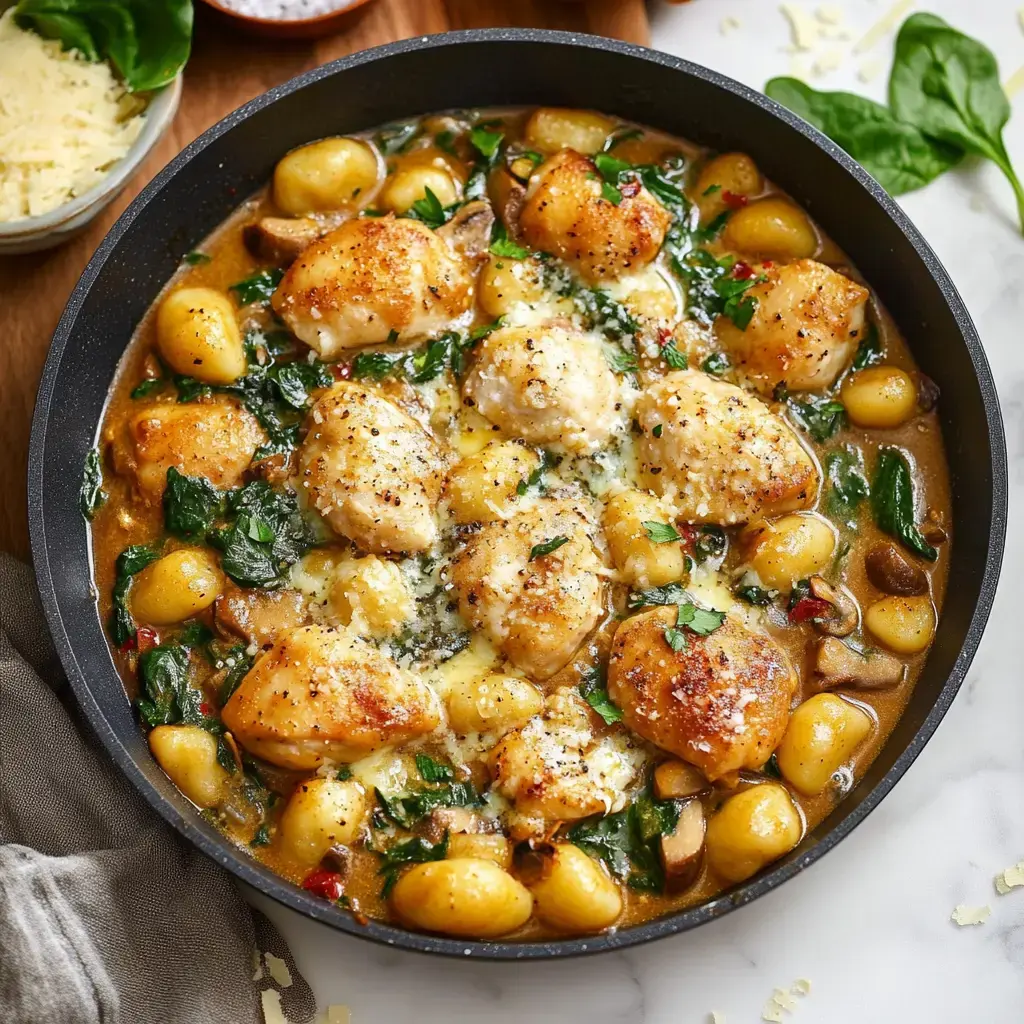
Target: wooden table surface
[226,69]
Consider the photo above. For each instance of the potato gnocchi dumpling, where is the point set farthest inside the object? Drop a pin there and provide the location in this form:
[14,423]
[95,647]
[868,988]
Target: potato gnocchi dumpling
[516,524]
[371,277]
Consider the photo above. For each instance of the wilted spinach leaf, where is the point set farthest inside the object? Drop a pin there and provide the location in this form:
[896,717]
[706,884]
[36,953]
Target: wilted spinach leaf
[131,561]
[191,504]
[892,502]
[91,495]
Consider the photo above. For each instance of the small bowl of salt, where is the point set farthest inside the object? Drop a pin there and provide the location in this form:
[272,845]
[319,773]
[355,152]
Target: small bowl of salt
[293,19]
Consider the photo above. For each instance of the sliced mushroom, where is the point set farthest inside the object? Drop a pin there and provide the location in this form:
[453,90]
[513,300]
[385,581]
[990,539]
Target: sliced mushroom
[676,780]
[682,850]
[840,665]
[845,614]
[508,196]
[338,858]
[280,239]
[893,572]
[451,819]
[932,527]
[469,231]
[927,391]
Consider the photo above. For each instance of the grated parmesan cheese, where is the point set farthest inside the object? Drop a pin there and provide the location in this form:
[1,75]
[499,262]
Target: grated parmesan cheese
[270,1001]
[1009,879]
[278,970]
[802,26]
[882,27]
[62,123]
[964,915]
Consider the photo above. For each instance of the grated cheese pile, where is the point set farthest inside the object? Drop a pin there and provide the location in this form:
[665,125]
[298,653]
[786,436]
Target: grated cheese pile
[61,123]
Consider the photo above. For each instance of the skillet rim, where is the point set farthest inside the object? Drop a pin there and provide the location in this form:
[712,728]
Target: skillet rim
[272,885]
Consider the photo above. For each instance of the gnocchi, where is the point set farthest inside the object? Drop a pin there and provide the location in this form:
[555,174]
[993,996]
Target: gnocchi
[331,174]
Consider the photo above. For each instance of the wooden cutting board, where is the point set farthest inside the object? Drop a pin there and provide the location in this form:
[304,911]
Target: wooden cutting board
[226,70]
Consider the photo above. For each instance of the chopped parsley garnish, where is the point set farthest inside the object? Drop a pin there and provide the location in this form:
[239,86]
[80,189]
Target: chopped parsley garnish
[195,258]
[147,387]
[716,364]
[610,193]
[91,495]
[483,330]
[676,359]
[536,476]
[658,430]
[711,190]
[486,142]
[429,209]
[258,288]
[621,361]
[661,533]
[595,692]
[701,621]
[502,245]
[540,550]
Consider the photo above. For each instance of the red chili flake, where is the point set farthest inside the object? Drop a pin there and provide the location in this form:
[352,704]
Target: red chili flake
[146,639]
[664,336]
[767,264]
[742,271]
[689,533]
[809,608]
[341,371]
[128,645]
[629,189]
[733,200]
[206,708]
[325,884]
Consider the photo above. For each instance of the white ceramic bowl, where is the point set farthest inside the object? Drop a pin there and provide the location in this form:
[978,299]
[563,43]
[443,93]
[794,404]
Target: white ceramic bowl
[30,234]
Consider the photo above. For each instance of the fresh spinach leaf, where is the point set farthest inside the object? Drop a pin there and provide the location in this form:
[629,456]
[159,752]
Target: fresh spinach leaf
[297,380]
[146,41]
[754,595]
[91,494]
[822,418]
[433,771]
[196,258]
[259,287]
[147,387]
[191,504]
[947,84]
[406,809]
[847,487]
[670,593]
[710,543]
[168,695]
[409,851]
[130,562]
[869,350]
[713,288]
[238,662]
[892,150]
[892,502]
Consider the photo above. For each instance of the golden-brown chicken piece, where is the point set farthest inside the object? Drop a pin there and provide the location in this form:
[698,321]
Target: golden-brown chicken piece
[369,277]
[554,768]
[546,384]
[566,215]
[721,702]
[321,693]
[371,470]
[536,610]
[215,439]
[721,455]
[804,330]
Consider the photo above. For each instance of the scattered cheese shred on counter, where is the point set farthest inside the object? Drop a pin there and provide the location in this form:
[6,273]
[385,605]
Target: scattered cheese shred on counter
[278,970]
[62,123]
[1011,878]
[271,1004]
[729,24]
[802,26]
[883,26]
[1014,83]
[829,14]
[784,1001]
[964,915]
[717,1018]
[337,1014]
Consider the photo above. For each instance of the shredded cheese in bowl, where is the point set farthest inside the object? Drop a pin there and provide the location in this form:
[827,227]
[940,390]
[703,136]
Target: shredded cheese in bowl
[64,122]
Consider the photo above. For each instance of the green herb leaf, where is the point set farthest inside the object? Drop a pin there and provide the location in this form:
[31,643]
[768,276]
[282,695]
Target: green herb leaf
[847,487]
[446,141]
[502,245]
[429,209]
[409,851]
[168,695]
[130,562]
[702,621]
[594,691]
[676,639]
[710,543]
[259,288]
[91,494]
[892,502]
[395,138]
[869,350]
[893,150]
[676,359]
[536,476]
[296,381]
[621,361]
[716,364]
[433,771]
[822,418]
[610,193]
[406,809]
[771,767]
[147,41]
[376,365]
[238,663]
[947,85]
[147,387]
[661,533]
[343,774]
[658,430]
[540,550]
[191,504]
[195,258]
[261,837]
[486,142]
[753,595]
[712,290]
[670,593]
[483,330]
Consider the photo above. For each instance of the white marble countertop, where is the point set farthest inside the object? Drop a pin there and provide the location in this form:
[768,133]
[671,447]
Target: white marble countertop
[869,924]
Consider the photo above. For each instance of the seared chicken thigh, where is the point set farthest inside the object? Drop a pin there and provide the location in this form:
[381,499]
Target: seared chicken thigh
[721,455]
[566,215]
[804,330]
[324,694]
[721,702]
[371,470]
[536,607]
[546,384]
[371,277]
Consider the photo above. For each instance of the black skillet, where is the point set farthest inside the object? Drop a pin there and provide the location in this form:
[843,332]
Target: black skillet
[202,185]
